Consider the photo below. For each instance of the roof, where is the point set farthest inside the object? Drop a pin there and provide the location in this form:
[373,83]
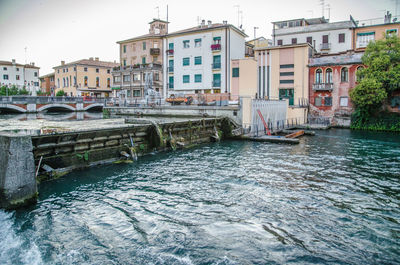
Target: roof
[207,27]
[283,46]
[341,59]
[262,38]
[17,64]
[89,62]
[310,21]
[380,25]
[48,75]
[158,20]
[146,36]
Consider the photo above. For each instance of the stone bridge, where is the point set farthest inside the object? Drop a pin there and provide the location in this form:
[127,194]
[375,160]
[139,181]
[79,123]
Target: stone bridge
[29,104]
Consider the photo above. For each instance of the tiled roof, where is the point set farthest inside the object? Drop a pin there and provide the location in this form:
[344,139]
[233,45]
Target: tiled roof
[20,65]
[206,27]
[89,63]
[146,36]
[342,59]
[48,75]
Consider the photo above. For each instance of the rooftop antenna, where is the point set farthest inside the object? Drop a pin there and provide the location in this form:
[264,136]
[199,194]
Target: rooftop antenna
[241,20]
[158,12]
[322,3]
[238,13]
[255,28]
[329,11]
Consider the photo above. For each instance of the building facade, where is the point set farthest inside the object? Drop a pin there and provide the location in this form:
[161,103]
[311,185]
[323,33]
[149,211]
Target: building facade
[20,75]
[283,74]
[324,36]
[87,77]
[331,79]
[47,84]
[364,34]
[243,78]
[141,59]
[197,60]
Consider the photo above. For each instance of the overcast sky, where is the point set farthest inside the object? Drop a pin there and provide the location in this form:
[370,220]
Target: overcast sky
[55,30]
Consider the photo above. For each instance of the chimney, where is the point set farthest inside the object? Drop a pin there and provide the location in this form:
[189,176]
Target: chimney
[32,63]
[62,62]
[90,58]
[13,61]
[209,23]
[224,22]
[203,23]
[96,58]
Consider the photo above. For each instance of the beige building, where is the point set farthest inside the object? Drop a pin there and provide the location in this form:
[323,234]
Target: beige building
[364,34]
[141,61]
[283,74]
[87,77]
[243,78]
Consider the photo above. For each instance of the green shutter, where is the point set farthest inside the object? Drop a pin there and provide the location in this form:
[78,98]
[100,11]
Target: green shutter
[235,72]
[171,46]
[197,60]
[186,61]
[186,79]
[198,78]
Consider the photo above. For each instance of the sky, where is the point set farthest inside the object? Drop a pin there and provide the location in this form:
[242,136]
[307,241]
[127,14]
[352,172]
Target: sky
[70,30]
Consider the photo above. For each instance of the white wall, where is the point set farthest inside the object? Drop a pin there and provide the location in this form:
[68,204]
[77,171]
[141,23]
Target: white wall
[25,74]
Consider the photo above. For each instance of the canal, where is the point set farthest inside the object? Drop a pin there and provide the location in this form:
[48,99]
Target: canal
[332,199]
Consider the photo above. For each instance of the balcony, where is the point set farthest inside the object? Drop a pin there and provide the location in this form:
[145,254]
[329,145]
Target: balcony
[216,84]
[170,52]
[322,87]
[154,51]
[325,46]
[170,69]
[216,47]
[216,66]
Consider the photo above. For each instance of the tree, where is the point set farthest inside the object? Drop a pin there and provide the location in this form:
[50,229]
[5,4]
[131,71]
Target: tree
[380,78]
[60,93]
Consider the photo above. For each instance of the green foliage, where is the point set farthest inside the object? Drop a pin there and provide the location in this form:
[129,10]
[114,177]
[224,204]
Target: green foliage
[368,95]
[379,122]
[60,93]
[13,91]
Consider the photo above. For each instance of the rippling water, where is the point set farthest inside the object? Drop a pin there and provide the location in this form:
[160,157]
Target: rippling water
[333,199]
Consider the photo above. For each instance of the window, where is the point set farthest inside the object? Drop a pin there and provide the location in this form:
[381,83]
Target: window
[325,38]
[97,81]
[35,74]
[126,78]
[5,77]
[294,40]
[85,69]
[58,83]
[4,68]
[344,75]
[286,74]
[359,78]
[318,76]
[287,66]
[328,76]
[63,70]
[364,38]
[143,60]
[17,77]
[318,101]
[67,80]
[36,83]
[17,69]
[217,40]
[97,70]
[197,60]
[64,82]
[216,80]
[117,79]
[74,69]
[287,94]
[74,80]
[171,82]
[344,101]
[197,78]
[136,77]
[280,42]
[108,71]
[124,62]
[171,46]
[286,81]
[136,93]
[342,38]
[391,32]
[66,70]
[186,79]
[171,66]
[186,61]
[328,101]
[124,48]
[216,62]
[197,43]
[309,40]
[85,81]
[144,45]
[235,72]
[186,44]
[156,76]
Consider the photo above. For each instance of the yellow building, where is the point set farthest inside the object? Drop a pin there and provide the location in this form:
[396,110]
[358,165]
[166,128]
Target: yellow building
[87,77]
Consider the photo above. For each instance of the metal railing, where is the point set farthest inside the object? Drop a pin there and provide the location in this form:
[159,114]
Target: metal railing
[325,46]
[256,130]
[320,120]
[47,100]
[216,47]
[322,86]
[216,84]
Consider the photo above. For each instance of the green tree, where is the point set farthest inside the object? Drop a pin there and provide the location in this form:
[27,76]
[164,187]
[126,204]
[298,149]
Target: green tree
[380,78]
[60,93]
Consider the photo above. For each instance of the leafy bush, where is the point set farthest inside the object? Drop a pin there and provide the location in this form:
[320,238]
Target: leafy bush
[60,93]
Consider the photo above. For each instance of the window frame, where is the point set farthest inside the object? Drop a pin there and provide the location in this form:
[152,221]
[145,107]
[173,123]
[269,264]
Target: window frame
[344,70]
[186,61]
[186,79]
[235,72]
[196,60]
[196,76]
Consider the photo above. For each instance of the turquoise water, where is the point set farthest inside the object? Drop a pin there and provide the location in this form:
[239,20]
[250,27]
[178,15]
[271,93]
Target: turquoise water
[333,199]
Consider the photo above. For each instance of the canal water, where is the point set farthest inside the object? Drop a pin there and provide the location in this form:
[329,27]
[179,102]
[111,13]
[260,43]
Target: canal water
[333,199]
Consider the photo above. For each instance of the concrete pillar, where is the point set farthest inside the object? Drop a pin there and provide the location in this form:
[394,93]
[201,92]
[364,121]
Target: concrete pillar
[17,172]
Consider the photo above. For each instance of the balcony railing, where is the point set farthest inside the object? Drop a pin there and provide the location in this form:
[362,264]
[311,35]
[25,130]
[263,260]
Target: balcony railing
[216,83]
[322,87]
[216,47]
[325,46]
[216,66]
[154,51]
[170,69]
[170,52]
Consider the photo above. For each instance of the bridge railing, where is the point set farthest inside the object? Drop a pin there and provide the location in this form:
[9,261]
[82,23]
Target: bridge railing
[47,100]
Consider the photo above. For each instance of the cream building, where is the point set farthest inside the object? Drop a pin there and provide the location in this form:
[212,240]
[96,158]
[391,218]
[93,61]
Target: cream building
[87,77]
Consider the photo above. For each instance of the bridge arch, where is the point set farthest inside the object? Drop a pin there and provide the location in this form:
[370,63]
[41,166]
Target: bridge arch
[94,105]
[11,107]
[56,106]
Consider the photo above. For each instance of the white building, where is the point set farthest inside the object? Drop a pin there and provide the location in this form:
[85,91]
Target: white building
[20,75]
[324,36]
[197,60]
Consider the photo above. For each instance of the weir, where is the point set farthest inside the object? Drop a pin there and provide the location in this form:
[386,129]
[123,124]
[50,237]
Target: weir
[31,158]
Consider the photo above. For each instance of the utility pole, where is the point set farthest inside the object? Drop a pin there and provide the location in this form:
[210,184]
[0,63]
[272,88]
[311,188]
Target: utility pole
[322,3]
[238,14]
[255,28]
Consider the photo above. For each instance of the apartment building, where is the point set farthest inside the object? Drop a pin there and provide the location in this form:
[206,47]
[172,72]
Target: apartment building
[283,74]
[48,84]
[324,36]
[243,78]
[198,59]
[86,77]
[141,62]
[20,75]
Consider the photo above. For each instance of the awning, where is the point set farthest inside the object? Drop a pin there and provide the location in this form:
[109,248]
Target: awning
[365,33]
[116,88]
